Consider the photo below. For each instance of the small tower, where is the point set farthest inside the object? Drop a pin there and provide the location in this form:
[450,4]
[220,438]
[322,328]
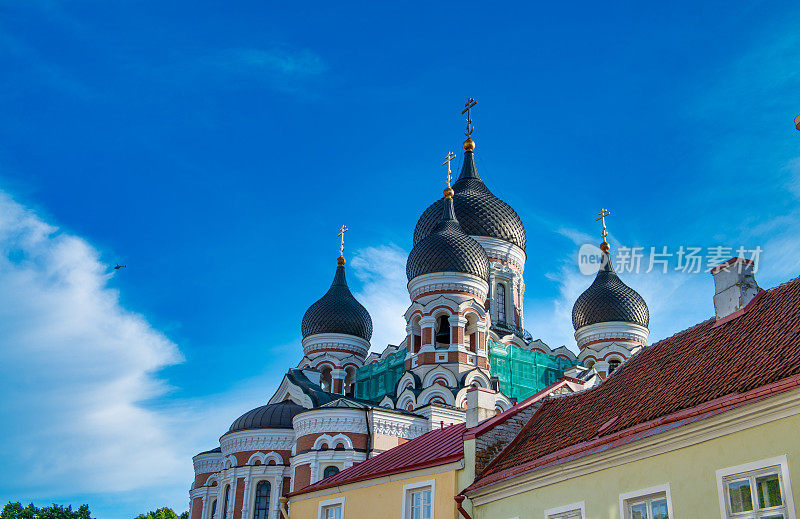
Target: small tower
[610,318]
[448,282]
[497,228]
[336,333]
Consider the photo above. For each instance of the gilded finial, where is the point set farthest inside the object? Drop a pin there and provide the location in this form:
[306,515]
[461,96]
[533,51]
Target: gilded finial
[448,192]
[469,144]
[340,260]
[604,246]
[797,122]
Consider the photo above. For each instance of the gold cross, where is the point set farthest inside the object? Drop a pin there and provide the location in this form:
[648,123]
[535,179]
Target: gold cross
[468,110]
[450,156]
[343,230]
[603,213]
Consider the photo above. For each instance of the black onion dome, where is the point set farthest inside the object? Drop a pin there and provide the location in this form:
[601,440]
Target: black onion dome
[477,209]
[447,249]
[608,299]
[270,416]
[337,312]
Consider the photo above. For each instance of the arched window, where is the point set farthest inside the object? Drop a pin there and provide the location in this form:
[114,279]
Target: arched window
[443,330]
[501,303]
[326,380]
[213,509]
[329,471]
[262,500]
[225,502]
[613,365]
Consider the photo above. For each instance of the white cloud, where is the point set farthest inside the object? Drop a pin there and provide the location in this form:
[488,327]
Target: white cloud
[382,272]
[76,367]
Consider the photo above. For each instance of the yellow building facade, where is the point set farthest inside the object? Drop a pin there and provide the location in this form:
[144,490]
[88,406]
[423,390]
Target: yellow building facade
[690,467]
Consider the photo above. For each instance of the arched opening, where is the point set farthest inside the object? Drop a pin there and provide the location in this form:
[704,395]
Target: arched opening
[329,471]
[349,379]
[257,462]
[213,509]
[416,334]
[437,400]
[501,303]
[441,381]
[613,364]
[262,500]
[471,333]
[326,380]
[339,447]
[225,498]
[443,331]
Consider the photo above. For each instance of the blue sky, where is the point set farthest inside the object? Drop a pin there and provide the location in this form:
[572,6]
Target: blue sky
[215,149]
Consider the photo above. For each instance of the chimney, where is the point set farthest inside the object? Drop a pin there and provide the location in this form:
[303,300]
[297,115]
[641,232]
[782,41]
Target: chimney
[734,286]
[480,405]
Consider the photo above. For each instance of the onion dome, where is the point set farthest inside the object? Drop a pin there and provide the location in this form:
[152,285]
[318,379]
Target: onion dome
[477,209]
[270,416]
[338,311]
[608,299]
[447,248]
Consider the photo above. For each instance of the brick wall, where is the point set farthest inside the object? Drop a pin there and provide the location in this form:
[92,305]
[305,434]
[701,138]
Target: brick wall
[489,444]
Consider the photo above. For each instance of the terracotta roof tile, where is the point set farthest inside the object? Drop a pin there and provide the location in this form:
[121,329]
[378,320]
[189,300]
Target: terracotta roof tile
[704,363]
[436,447]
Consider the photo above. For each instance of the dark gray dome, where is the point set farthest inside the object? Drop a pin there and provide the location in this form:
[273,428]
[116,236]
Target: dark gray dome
[608,299]
[447,249]
[270,416]
[337,312]
[479,212]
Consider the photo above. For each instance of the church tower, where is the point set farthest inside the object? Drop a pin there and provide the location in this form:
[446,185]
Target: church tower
[448,282]
[610,318]
[497,228]
[336,333]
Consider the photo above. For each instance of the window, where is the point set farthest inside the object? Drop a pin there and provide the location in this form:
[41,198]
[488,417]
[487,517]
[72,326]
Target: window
[332,512]
[501,303]
[443,330]
[756,490]
[330,470]
[213,509]
[573,511]
[649,503]
[613,365]
[420,504]
[418,500]
[331,509]
[261,510]
[225,502]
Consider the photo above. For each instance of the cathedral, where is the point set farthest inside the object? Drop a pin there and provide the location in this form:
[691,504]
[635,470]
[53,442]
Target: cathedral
[465,352]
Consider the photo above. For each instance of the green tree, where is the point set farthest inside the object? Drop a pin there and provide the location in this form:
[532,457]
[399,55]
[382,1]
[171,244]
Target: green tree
[161,513]
[17,511]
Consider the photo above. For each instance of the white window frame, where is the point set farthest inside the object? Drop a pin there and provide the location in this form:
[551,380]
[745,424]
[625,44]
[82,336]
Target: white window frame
[574,507]
[327,503]
[411,487]
[658,489]
[779,461]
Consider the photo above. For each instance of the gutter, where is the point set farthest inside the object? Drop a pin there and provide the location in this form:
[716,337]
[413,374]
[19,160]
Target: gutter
[459,500]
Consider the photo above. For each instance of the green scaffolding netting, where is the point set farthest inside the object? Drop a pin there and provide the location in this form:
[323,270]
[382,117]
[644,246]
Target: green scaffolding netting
[375,380]
[522,372]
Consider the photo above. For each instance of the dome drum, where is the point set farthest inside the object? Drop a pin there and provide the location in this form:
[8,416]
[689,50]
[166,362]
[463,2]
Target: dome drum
[432,285]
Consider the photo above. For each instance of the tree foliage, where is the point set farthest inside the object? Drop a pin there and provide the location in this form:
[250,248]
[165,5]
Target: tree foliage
[17,511]
[161,513]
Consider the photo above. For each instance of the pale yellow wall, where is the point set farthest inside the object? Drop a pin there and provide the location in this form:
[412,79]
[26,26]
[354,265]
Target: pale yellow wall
[382,500]
[689,471]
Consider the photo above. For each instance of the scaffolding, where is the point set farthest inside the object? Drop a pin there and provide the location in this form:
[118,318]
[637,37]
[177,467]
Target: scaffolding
[375,380]
[522,373]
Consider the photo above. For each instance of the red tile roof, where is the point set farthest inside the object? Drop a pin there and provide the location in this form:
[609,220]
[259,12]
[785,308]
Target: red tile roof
[437,447]
[695,373]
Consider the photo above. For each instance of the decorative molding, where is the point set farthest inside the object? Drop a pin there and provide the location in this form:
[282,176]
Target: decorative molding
[322,420]
[611,330]
[503,251]
[392,424]
[448,282]
[257,440]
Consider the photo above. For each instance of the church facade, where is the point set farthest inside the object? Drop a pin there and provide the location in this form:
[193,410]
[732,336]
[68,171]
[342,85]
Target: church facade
[342,403]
